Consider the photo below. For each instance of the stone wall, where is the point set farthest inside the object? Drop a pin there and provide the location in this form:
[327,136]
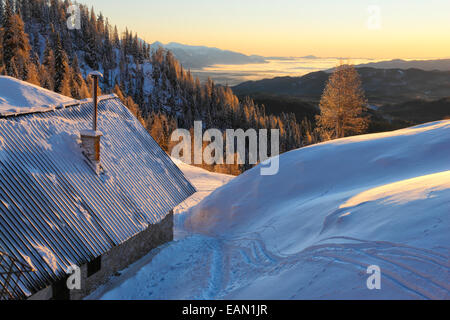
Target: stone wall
[118,258]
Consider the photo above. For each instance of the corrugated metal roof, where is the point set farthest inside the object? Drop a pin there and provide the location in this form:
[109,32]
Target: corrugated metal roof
[55,211]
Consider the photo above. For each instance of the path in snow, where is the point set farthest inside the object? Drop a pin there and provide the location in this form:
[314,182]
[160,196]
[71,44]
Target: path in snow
[205,182]
[200,267]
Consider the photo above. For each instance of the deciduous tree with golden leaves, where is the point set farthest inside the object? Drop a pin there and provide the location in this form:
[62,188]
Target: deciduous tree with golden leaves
[342,105]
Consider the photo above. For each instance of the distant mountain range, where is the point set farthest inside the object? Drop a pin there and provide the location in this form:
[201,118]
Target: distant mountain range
[381,85]
[427,65]
[197,57]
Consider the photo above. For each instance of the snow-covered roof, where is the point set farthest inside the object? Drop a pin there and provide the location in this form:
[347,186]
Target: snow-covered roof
[55,211]
[18,97]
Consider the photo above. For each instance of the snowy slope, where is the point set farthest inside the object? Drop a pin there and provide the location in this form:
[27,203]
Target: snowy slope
[311,231]
[20,97]
[204,182]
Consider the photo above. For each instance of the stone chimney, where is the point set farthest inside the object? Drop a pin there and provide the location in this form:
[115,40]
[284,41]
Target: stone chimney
[90,139]
[90,142]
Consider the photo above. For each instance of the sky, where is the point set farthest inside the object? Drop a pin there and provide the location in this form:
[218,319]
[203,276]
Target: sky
[325,28]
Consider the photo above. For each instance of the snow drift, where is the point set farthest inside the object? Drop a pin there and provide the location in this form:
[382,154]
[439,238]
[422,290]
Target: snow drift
[312,230]
[387,193]
[354,179]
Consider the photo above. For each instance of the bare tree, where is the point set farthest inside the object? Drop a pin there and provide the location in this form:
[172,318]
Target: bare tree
[342,105]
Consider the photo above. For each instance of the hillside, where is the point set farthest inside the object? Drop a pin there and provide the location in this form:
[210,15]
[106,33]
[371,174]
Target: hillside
[38,47]
[198,57]
[427,65]
[277,104]
[381,85]
[418,111]
[311,231]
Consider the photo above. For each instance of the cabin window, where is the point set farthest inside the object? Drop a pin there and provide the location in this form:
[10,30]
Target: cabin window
[94,266]
[60,290]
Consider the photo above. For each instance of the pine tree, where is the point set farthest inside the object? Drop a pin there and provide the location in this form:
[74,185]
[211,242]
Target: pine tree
[48,67]
[76,70]
[116,40]
[342,104]
[78,86]
[49,56]
[36,41]
[32,72]
[24,9]
[8,11]
[16,47]
[2,10]
[91,51]
[119,93]
[45,78]
[62,69]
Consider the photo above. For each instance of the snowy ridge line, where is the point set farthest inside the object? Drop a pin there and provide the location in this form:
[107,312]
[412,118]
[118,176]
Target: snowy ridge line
[49,108]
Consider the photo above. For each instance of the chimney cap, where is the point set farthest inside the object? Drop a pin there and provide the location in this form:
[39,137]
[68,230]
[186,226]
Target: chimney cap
[95,74]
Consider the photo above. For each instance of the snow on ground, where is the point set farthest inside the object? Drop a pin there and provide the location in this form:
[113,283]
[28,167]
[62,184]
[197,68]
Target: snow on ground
[20,97]
[312,230]
[205,182]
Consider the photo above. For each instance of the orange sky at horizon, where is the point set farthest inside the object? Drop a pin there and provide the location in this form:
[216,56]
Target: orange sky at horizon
[378,29]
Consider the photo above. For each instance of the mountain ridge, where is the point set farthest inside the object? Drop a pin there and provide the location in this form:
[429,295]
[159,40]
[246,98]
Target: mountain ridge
[381,85]
[198,57]
[426,65]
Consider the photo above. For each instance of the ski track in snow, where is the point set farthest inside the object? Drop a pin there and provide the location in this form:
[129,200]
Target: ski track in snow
[226,265]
